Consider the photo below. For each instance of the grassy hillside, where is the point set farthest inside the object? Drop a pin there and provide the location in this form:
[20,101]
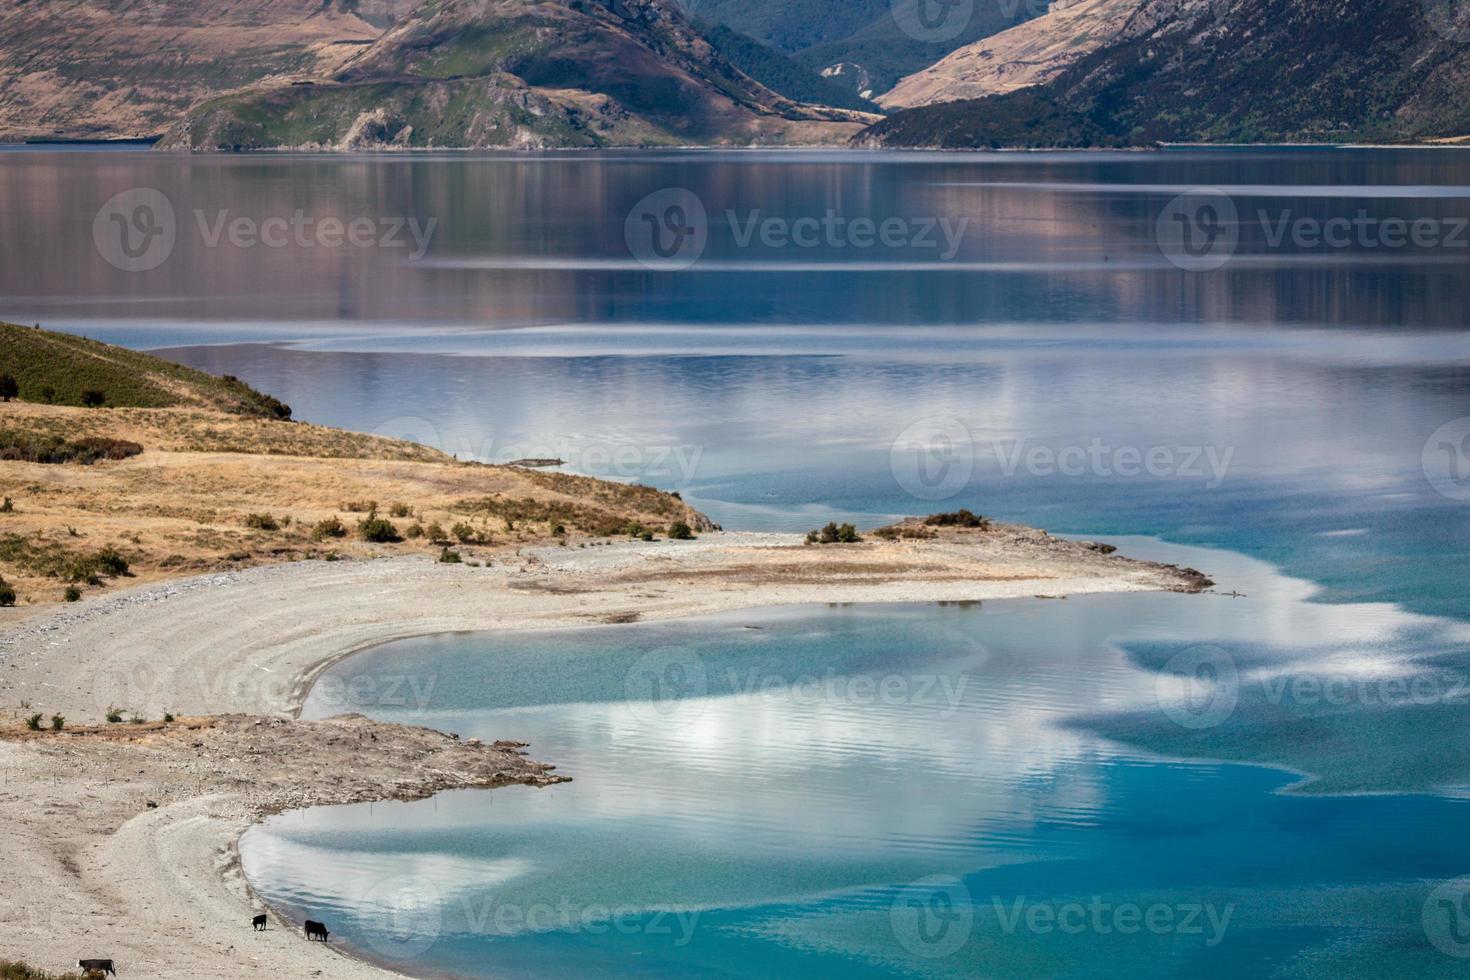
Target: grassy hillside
[1241,71]
[60,368]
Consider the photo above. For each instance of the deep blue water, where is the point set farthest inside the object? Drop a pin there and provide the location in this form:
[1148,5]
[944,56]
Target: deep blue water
[1294,422]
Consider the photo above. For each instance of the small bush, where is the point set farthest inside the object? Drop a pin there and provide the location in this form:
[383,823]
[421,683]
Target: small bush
[7,506]
[9,387]
[7,593]
[109,562]
[262,522]
[645,535]
[959,518]
[168,717]
[378,530]
[331,556]
[463,533]
[329,528]
[399,510]
[93,398]
[833,533]
[34,722]
[436,533]
[72,594]
[415,531]
[58,722]
[450,557]
[360,506]
[113,715]
[681,531]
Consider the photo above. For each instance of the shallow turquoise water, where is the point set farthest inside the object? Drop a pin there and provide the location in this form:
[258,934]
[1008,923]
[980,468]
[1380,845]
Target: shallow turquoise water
[1099,776]
[896,791]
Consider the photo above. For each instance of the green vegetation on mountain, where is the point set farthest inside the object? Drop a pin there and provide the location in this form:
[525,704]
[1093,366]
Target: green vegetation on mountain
[1233,71]
[780,73]
[64,369]
[862,44]
[521,73]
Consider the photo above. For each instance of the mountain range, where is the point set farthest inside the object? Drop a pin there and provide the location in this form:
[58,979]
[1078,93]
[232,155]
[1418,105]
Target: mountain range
[1218,71]
[403,74]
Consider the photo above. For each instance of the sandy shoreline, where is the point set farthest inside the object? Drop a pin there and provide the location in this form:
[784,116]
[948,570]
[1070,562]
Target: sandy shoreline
[250,642]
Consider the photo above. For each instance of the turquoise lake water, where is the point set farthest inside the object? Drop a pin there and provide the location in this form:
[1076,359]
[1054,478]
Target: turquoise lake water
[1139,785]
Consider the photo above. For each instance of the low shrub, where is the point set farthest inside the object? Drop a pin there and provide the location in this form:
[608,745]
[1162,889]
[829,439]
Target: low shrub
[72,594]
[168,717]
[34,722]
[360,506]
[26,447]
[399,510]
[113,715]
[7,506]
[329,528]
[834,533]
[436,533]
[110,562]
[58,722]
[958,518]
[93,398]
[7,593]
[463,533]
[378,530]
[450,557]
[680,531]
[415,531]
[262,522]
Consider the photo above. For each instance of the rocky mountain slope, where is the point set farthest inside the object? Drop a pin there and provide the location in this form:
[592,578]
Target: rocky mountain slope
[519,73]
[388,73]
[1233,71]
[1028,54]
[111,69]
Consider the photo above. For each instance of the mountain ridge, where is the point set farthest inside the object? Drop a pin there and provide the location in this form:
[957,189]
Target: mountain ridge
[1231,71]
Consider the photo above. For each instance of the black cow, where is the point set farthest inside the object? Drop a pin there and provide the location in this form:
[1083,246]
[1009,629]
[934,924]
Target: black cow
[316,930]
[96,966]
[259,922]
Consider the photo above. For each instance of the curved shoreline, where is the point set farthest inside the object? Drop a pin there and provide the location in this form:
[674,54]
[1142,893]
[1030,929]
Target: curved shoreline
[253,642]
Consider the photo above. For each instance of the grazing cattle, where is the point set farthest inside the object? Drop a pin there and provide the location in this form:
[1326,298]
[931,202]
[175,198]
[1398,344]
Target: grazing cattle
[316,930]
[259,922]
[96,966]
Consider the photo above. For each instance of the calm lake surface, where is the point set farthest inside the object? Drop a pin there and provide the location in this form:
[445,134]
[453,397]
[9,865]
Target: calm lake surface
[1089,787]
